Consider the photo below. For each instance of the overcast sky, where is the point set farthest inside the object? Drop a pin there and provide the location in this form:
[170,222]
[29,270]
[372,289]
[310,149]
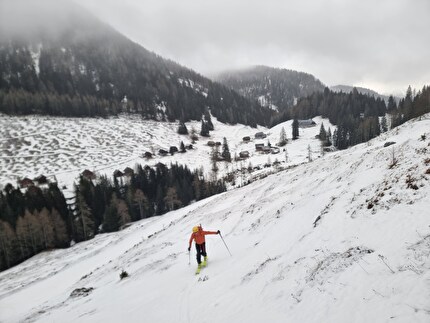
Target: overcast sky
[380,44]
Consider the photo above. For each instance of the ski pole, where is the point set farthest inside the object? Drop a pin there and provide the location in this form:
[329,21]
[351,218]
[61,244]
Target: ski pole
[225,244]
[189,257]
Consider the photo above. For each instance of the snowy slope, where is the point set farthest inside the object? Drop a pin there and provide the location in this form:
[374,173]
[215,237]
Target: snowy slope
[62,148]
[340,239]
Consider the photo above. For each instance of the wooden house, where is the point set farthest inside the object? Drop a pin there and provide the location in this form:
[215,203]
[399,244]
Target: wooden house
[129,172]
[26,182]
[163,152]
[244,154]
[89,175]
[117,173]
[260,135]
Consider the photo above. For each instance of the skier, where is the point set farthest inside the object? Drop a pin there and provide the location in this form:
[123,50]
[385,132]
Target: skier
[199,236]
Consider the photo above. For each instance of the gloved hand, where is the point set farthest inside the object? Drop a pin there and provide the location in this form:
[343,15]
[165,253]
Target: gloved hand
[218,232]
[189,248]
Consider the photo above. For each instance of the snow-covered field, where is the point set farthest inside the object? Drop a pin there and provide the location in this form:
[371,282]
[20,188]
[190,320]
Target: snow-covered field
[345,238]
[62,148]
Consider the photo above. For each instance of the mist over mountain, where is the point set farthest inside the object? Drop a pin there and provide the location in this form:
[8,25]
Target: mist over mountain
[56,58]
[362,90]
[276,88]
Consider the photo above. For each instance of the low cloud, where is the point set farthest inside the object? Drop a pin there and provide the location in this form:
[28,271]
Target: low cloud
[379,44]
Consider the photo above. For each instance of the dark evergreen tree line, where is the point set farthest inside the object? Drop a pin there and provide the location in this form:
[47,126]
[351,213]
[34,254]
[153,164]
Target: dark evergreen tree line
[279,87]
[411,106]
[40,219]
[31,222]
[356,115]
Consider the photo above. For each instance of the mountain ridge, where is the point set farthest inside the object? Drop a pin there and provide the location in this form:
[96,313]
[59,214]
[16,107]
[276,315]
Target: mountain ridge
[86,68]
[277,88]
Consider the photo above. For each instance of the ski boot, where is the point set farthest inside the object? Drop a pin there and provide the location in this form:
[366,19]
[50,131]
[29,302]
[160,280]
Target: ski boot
[199,267]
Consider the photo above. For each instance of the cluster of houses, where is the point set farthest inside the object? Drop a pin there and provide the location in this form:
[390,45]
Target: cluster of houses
[268,149]
[127,172]
[27,182]
[259,147]
[163,152]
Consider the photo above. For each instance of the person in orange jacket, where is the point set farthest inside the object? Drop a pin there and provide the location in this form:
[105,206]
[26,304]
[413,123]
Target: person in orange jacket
[199,236]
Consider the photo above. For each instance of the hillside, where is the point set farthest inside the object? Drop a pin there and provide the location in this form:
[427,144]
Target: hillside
[275,88]
[342,239]
[63,61]
[62,148]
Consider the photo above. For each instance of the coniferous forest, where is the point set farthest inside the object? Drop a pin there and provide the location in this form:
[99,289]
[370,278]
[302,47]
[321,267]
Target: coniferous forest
[358,117]
[38,219]
[85,68]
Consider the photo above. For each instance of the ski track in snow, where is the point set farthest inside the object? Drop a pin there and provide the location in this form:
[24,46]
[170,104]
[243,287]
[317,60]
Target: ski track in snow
[341,239]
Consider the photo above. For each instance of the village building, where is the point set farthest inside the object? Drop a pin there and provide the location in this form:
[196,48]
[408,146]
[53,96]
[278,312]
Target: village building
[118,173]
[40,180]
[306,123]
[26,182]
[260,135]
[163,152]
[89,175]
[129,172]
[259,146]
[244,154]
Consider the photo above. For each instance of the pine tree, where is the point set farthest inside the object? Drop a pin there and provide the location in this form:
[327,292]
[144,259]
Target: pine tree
[329,138]
[182,129]
[392,106]
[384,126]
[282,138]
[142,201]
[225,151]
[204,132]
[214,162]
[322,134]
[111,220]
[61,237]
[47,228]
[295,129]
[182,147]
[84,222]
[123,213]
[208,120]
[8,243]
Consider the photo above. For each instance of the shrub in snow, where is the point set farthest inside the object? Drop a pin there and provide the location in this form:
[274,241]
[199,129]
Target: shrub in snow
[123,275]
[81,292]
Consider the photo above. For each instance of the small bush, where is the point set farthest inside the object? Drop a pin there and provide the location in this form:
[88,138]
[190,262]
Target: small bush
[123,275]
[410,181]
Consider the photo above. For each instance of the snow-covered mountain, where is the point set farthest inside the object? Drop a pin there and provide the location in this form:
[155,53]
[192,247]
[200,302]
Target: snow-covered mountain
[275,88]
[345,238]
[61,60]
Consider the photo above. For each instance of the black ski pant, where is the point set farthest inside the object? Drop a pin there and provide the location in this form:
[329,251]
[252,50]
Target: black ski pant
[201,251]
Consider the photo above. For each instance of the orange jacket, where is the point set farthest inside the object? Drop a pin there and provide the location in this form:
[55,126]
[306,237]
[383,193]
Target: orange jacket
[199,236]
